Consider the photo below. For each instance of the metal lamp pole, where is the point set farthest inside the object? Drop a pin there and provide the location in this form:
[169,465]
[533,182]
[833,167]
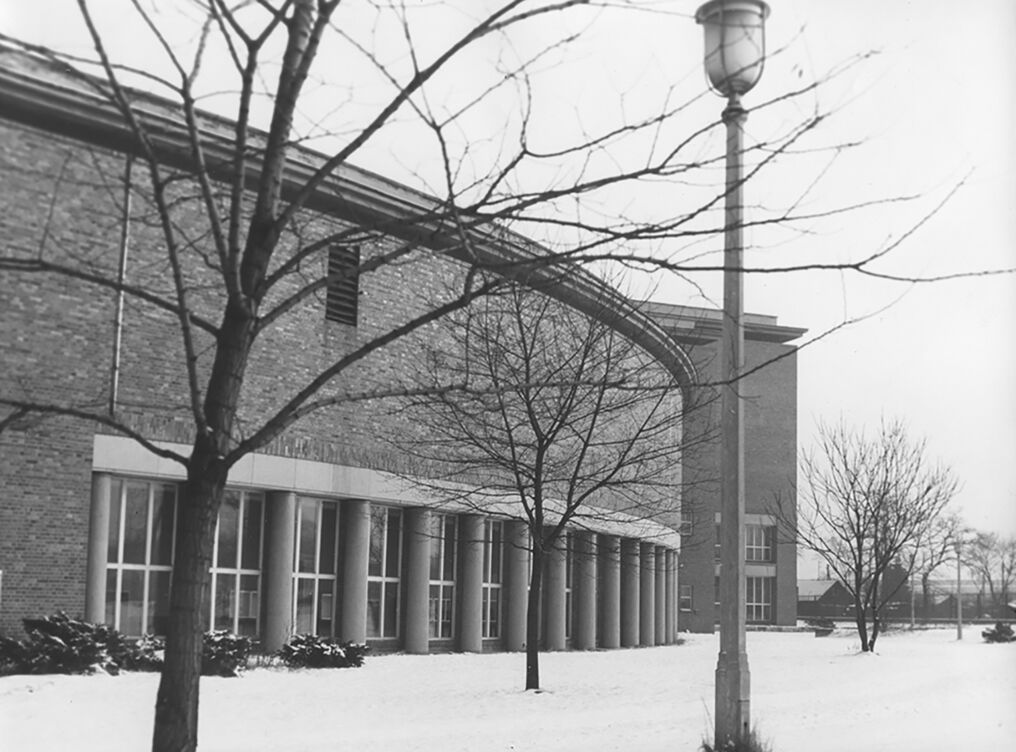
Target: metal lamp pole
[734,55]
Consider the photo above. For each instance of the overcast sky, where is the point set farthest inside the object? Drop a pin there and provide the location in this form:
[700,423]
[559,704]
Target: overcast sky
[933,109]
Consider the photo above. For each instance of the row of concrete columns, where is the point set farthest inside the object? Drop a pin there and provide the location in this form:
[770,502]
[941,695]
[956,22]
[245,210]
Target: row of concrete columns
[624,592]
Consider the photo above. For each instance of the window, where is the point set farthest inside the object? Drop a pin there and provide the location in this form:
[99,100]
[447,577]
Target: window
[383,568]
[139,559]
[759,599]
[716,595]
[343,290]
[684,598]
[758,542]
[315,565]
[442,574]
[493,558]
[685,528]
[716,544]
[236,563]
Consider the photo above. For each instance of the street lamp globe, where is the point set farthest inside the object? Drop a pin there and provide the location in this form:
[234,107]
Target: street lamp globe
[735,47]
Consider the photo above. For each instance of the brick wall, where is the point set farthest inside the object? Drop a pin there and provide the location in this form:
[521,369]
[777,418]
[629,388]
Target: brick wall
[65,201]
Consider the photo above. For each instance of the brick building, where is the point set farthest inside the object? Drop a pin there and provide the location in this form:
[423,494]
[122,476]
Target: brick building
[317,532]
[769,390]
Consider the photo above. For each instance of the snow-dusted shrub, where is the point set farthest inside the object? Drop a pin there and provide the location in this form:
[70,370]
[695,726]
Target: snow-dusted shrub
[1001,632]
[224,653]
[58,644]
[311,651]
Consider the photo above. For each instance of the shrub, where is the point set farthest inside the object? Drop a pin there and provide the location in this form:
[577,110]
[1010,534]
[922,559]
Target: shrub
[224,653]
[60,645]
[143,654]
[311,651]
[1001,632]
[751,743]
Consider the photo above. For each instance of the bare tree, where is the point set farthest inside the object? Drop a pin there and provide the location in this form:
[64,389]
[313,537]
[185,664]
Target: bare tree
[992,559]
[561,422]
[866,506]
[936,549]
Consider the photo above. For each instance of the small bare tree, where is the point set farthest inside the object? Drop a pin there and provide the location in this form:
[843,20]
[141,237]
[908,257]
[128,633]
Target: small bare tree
[866,506]
[559,416]
[936,549]
[992,559]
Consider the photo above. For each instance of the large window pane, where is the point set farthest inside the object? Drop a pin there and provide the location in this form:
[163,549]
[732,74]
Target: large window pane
[111,592]
[248,606]
[495,554]
[329,521]
[373,609]
[229,518]
[132,600]
[158,602]
[304,606]
[163,512]
[435,546]
[113,547]
[225,600]
[391,618]
[135,523]
[307,541]
[326,607]
[449,548]
[251,552]
[377,541]
[434,610]
[392,545]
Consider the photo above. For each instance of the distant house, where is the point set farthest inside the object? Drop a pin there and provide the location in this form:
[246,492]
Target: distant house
[822,598]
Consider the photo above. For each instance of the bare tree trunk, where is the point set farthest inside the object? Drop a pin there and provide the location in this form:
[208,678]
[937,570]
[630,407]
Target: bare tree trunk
[533,619]
[861,620]
[176,706]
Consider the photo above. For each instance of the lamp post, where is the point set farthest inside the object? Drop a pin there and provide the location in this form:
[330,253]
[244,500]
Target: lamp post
[734,57]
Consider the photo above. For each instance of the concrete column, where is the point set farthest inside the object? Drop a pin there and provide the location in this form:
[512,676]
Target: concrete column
[553,597]
[516,586]
[610,597]
[280,540]
[629,593]
[584,592]
[98,545]
[470,583]
[671,577]
[660,606]
[647,594]
[416,625]
[355,556]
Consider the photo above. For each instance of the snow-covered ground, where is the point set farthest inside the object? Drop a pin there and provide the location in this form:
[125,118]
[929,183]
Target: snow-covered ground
[921,691]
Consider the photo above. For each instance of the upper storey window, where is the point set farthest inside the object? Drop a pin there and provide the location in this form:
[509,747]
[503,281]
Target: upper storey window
[343,284]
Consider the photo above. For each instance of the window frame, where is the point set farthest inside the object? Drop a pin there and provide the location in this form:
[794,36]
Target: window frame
[239,572]
[759,599]
[441,609]
[492,602]
[115,570]
[390,578]
[685,597]
[321,614]
[760,543]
